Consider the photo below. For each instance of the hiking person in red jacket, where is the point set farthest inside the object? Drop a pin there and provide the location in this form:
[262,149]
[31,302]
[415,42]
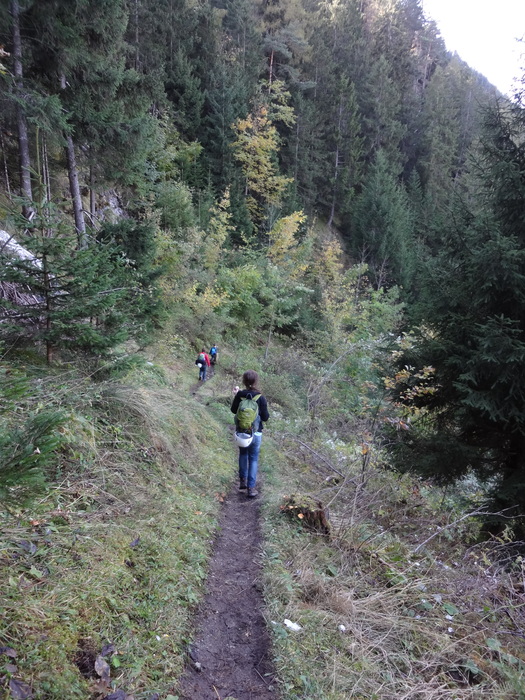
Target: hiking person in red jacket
[202,362]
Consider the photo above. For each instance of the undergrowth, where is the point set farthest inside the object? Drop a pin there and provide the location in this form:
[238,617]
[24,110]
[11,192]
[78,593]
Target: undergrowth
[102,572]
[402,599]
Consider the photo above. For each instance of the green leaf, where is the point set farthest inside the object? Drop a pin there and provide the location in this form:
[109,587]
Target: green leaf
[494,644]
[332,570]
[471,666]
[450,609]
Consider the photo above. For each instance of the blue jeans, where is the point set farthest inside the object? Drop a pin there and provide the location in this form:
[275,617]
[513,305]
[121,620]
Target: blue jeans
[249,461]
[202,373]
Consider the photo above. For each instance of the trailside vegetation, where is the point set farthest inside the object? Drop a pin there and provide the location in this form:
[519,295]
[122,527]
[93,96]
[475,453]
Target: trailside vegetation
[472,335]
[336,200]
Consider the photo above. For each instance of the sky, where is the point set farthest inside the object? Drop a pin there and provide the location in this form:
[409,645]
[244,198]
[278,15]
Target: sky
[484,33]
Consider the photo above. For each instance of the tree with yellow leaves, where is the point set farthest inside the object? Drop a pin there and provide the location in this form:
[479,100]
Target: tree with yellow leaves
[219,229]
[282,238]
[256,148]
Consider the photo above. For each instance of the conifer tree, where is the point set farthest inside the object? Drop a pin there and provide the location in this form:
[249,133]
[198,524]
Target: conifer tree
[231,84]
[21,117]
[382,226]
[28,447]
[227,100]
[474,333]
[65,297]
[80,57]
[347,140]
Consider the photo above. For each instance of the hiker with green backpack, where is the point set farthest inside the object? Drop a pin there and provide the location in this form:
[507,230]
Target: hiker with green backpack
[251,411]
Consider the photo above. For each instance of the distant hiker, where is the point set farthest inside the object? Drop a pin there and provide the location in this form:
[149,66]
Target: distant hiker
[251,410]
[214,354]
[202,362]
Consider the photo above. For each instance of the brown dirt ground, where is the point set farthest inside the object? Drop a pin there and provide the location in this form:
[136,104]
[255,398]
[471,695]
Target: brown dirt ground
[230,657]
[232,645]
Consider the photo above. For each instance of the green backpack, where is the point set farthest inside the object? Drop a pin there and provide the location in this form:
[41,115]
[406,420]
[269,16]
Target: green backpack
[247,414]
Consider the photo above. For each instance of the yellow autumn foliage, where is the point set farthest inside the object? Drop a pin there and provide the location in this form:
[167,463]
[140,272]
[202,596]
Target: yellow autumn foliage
[282,236]
[218,231]
[255,148]
[202,301]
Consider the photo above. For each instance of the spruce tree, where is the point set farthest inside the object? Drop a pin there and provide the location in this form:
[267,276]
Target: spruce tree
[383,227]
[65,297]
[473,333]
[80,56]
[29,438]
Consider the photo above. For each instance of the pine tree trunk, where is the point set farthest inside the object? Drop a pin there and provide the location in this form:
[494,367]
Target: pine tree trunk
[6,171]
[269,339]
[137,61]
[92,199]
[47,295]
[336,163]
[296,165]
[23,138]
[74,188]
[45,170]
[336,175]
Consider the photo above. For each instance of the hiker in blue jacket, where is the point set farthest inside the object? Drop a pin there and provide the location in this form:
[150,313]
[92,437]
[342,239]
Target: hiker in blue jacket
[250,442]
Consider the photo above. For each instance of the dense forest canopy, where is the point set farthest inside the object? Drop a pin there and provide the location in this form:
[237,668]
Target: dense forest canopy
[286,103]
[167,157]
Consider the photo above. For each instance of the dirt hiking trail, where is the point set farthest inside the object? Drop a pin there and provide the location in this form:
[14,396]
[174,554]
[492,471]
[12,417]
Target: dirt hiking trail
[230,657]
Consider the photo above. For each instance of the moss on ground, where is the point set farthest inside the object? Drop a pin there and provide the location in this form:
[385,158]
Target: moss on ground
[102,573]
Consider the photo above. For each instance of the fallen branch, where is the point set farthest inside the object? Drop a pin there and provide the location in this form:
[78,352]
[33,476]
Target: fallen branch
[323,459]
[464,517]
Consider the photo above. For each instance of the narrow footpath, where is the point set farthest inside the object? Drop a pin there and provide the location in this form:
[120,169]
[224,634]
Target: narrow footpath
[230,657]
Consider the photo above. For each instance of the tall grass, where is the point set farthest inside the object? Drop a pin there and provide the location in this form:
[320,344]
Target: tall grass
[101,571]
[403,600]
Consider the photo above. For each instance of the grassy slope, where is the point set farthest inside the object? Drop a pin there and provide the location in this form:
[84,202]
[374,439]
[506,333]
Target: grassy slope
[117,552]
[384,615]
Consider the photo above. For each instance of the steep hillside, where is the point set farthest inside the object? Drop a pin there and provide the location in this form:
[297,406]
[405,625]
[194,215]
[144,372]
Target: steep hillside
[103,571]
[337,202]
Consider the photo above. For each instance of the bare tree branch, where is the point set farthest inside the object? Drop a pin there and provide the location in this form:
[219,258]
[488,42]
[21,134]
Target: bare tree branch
[464,517]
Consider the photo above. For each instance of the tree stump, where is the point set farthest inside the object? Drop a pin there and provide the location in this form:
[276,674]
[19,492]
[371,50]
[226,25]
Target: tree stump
[310,512]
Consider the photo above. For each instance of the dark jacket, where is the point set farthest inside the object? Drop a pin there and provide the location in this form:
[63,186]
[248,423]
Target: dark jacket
[206,358]
[261,402]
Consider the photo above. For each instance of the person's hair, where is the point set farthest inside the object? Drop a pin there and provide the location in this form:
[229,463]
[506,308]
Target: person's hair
[250,379]
[203,350]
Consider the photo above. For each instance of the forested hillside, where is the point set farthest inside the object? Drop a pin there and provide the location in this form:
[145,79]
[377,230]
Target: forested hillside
[314,108]
[335,199]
